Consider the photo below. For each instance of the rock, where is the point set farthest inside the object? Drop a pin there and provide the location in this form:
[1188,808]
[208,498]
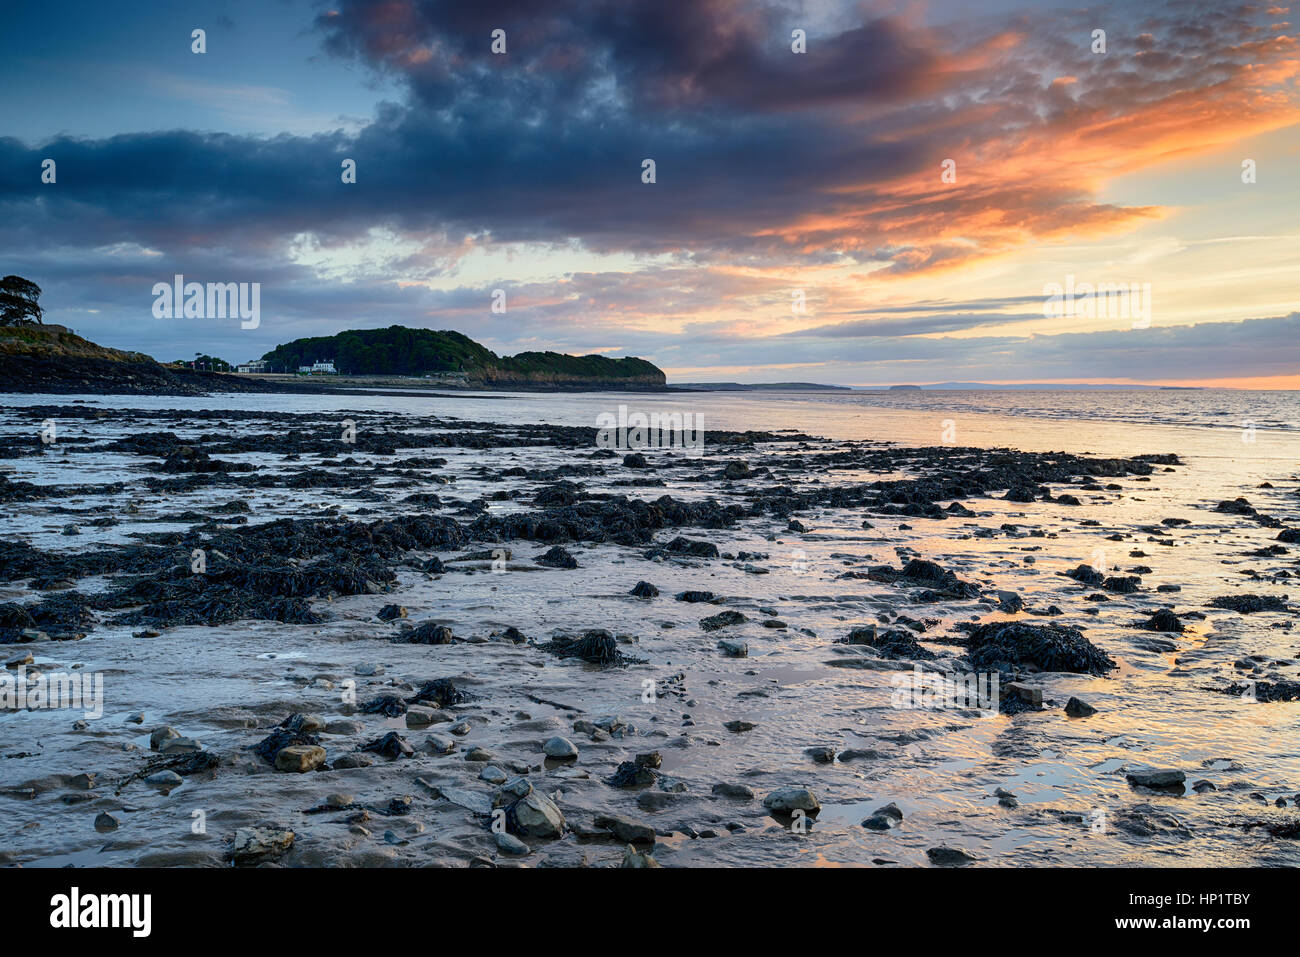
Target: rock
[509,844]
[159,735]
[559,747]
[535,816]
[821,754]
[493,775]
[164,780]
[1010,602]
[634,858]
[299,758]
[83,781]
[350,761]
[106,822]
[1029,694]
[788,799]
[945,856]
[626,828]
[734,649]
[344,727]
[1076,708]
[740,792]
[439,744]
[511,791]
[644,589]
[1201,786]
[883,818]
[421,716]
[179,745]
[655,800]
[739,727]
[478,754]
[256,844]
[1159,779]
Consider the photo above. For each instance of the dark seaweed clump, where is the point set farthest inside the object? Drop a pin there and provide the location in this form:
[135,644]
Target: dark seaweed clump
[891,643]
[597,646]
[1248,604]
[1265,691]
[919,573]
[427,634]
[1046,647]
[389,705]
[441,693]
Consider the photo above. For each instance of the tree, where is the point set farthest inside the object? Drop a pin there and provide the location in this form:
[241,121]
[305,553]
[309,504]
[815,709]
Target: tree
[18,305]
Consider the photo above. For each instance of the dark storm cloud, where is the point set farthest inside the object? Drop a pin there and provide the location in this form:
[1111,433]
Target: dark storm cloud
[766,161]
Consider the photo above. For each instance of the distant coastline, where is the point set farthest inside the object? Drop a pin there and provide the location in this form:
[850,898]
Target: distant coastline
[54,359]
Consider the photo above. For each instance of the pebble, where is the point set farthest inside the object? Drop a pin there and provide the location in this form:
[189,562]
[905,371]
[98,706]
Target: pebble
[1160,778]
[741,792]
[344,727]
[787,799]
[439,744]
[255,844]
[164,780]
[509,844]
[299,758]
[626,828]
[945,856]
[634,858]
[535,816]
[160,735]
[1076,708]
[559,747]
[883,818]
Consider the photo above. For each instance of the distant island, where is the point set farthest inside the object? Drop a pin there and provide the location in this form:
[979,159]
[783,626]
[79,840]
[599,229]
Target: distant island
[455,360]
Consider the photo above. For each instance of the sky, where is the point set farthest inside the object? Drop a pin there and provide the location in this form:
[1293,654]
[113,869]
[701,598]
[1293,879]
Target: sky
[847,193]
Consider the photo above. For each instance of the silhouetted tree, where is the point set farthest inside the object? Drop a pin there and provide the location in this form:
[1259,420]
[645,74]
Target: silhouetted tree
[18,305]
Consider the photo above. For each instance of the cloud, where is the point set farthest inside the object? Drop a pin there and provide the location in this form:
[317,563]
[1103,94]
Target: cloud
[772,167]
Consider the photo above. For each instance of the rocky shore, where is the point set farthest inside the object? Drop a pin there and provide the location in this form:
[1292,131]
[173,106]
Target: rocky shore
[385,639]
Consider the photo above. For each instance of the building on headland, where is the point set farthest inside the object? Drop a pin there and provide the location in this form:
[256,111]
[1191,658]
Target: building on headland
[323,367]
[256,366]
